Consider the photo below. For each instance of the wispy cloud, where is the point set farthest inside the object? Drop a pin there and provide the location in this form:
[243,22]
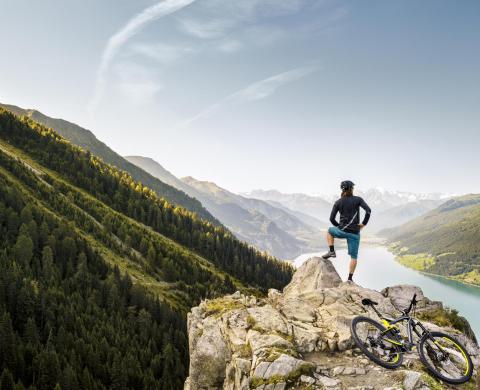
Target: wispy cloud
[130,29]
[215,18]
[257,91]
[160,52]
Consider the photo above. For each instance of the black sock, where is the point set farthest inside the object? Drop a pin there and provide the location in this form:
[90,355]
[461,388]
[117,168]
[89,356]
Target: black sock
[350,277]
[332,248]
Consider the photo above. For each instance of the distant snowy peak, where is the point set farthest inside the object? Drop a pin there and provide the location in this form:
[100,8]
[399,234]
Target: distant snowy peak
[378,198]
[384,199]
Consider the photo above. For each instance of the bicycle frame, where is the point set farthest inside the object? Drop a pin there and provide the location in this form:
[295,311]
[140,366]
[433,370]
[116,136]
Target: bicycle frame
[411,328]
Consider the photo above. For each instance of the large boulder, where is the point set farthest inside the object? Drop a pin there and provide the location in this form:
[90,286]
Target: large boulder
[210,354]
[315,274]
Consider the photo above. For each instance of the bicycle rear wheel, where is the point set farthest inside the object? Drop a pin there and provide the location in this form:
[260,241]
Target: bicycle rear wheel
[445,357]
[374,341]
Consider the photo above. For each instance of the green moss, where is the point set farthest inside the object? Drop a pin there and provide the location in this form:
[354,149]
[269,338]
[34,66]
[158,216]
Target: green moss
[275,352]
[304,369]
[432,383]
[256,382]
[245,351]
[217,307]
[445,317]
[251,321]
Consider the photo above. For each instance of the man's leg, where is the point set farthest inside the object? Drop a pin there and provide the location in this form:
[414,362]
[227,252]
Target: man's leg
[330,241]
[353,266]
[331,247]
[353,244]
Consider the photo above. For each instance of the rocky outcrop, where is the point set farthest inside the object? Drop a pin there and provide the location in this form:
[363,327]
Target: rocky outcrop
[299,338]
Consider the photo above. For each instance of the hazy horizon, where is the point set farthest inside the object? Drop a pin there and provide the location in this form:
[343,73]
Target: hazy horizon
[293,96]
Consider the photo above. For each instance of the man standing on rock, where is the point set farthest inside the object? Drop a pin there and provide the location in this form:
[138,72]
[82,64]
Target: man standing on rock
[349,226]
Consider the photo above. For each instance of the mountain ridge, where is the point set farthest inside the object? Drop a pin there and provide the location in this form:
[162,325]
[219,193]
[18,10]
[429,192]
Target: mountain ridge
[86,139]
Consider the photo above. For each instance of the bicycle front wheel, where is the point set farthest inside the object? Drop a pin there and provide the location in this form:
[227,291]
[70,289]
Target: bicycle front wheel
[445,357]
[376,342]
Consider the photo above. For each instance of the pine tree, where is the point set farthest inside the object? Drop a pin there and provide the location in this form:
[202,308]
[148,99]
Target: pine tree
[24,249]
[6,380]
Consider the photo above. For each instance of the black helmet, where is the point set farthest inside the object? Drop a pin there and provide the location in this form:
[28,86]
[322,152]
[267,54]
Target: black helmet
[346,185]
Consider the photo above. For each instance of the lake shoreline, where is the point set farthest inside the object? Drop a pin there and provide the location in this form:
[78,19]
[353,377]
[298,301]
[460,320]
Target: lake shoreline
[452,278]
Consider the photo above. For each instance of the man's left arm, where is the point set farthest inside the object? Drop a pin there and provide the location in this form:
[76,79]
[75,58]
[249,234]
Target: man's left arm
[367,209]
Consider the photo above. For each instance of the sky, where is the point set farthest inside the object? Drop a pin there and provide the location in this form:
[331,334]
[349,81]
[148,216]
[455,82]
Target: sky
[295,95]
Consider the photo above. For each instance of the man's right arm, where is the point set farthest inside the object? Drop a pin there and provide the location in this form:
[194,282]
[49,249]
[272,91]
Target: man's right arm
[333,215]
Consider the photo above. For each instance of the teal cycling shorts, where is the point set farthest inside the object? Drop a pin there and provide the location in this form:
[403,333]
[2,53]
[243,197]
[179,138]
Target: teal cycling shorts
[353,240]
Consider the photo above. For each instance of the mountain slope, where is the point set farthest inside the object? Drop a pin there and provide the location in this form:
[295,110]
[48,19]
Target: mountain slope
[445,241]
[97,272]
[87,140]
[401,214]
[265,226]
[260,223]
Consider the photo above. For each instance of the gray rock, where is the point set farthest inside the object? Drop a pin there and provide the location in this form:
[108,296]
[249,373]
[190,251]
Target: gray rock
[360,371]
[209,358]
[280,386]
[268,319]
[327,382]
[307,379]
[261,369]
[258,341]
[402,294]
[412,380]
[349,371]
[283,366]
[313,275]
[338,370]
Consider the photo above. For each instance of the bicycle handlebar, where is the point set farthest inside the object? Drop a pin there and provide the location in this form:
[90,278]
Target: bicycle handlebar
[412,304]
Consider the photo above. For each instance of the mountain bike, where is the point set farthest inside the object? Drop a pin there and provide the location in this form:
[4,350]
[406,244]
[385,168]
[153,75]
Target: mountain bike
[443,355]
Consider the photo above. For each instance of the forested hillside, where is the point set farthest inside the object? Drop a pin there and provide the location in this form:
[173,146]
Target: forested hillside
[445,241]
[87,140]
[97,272]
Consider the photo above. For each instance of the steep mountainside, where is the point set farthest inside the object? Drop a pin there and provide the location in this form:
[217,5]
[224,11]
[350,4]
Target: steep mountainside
[445,241]
[87,140]
[268,227]
[97,272]
[300,338]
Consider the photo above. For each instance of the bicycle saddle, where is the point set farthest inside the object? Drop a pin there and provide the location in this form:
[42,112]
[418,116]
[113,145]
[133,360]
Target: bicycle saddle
[368,302]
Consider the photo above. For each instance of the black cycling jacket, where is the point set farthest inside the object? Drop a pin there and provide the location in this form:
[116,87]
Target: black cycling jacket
[349,208]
